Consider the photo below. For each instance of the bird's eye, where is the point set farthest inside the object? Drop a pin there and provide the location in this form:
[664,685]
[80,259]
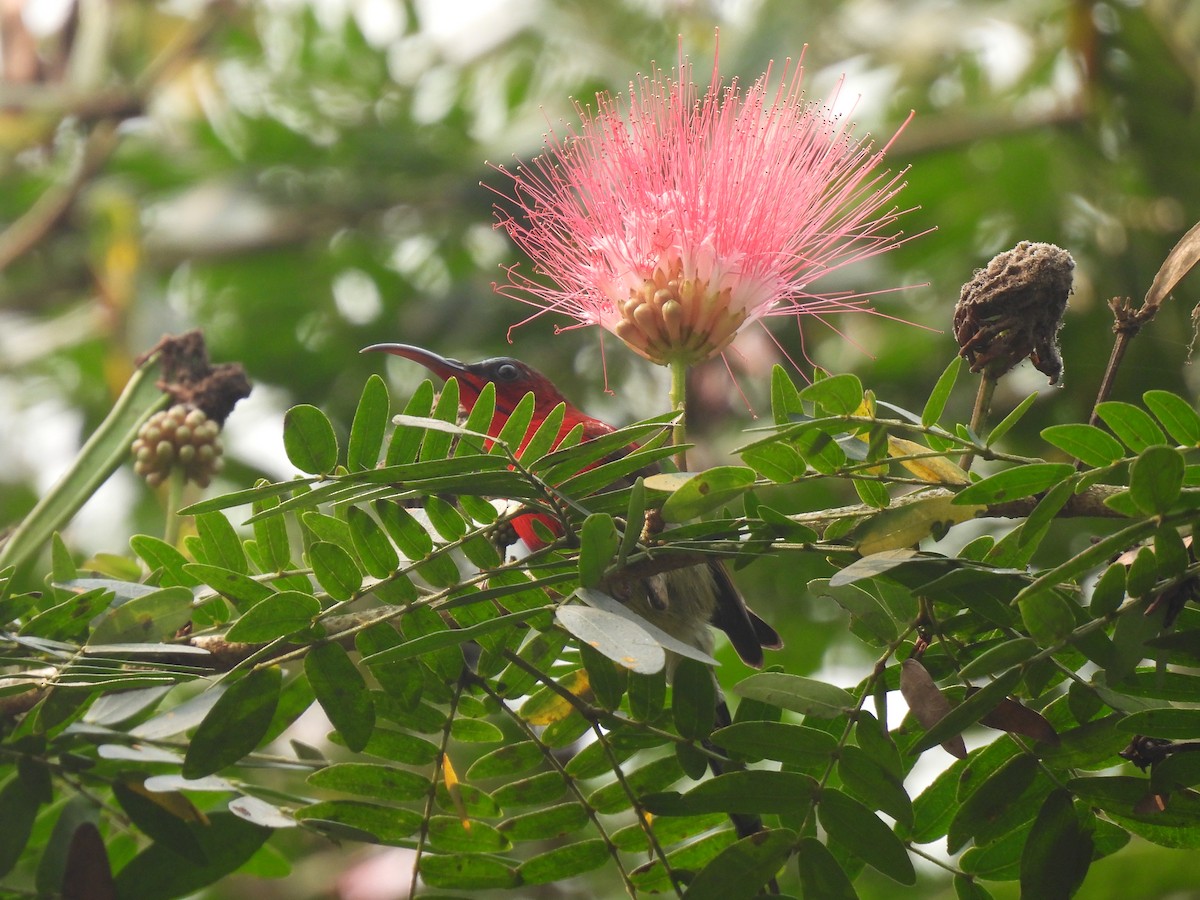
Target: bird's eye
[507,372]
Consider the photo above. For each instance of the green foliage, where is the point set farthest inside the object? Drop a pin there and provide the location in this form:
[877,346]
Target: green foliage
[426,666]
[511,721]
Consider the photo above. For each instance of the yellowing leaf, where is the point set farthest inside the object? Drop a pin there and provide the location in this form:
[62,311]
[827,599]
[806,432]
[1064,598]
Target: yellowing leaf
[907,525]
[547,707]
[934,469]
[450,779]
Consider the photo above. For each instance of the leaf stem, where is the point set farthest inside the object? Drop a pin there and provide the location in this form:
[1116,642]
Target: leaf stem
[679,372]
[176,483]
[983,405]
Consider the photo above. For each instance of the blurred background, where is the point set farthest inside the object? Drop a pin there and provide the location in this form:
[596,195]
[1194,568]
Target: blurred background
[301,178]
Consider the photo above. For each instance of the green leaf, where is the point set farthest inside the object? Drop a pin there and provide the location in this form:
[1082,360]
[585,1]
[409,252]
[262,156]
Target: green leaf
[988,812]
[445,519]
[409,534]
[159,873]
[741,869]
[1155,479]
[100,456]
[1058,850]
[75,860]
[270,534]
[370,423]
[704,491]
[222,547]
[479,419]
[606,679]
[1131,424]
[543,440]
[753,792]
[564,862]
[20,799]
[468,871]
[158,816]
[160,555]
[334,570]
[361,821]
[1003,426]
[694,699]
[1048,616]
[509,760]
[1087,443]
[399,746]
[614,797]
[838,395]
[799,694]
[936,403]
[235,724]
[999,658]
[438,438]
[1121,798]
[864,834]
[1176,414]
[820,873]
[794,745]
[342,693]
[874,785]
[153,617]
[516,426]
[546,824]
[382,783]
[647,695]
[779,462]
[598,541]
[371,544]
[238,588]
[1109,591]
[785,399]
[1015,483]
[1182,724]
[278,616]
[536,789]
[935,806]
[453,834]
[406,440]
[309,441]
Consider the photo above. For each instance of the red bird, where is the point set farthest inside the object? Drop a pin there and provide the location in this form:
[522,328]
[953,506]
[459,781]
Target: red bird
[683,602]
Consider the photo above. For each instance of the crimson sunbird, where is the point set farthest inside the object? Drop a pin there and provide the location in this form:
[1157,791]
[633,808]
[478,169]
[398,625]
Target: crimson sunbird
[683,602]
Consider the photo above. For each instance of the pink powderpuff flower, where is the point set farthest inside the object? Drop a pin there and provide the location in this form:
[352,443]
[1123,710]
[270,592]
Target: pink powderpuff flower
[675,225]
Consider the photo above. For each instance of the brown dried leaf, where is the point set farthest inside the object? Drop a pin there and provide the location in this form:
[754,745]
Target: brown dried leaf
[1182,259]
[927,702]
[1151,804]
[1015,718]
[88,875]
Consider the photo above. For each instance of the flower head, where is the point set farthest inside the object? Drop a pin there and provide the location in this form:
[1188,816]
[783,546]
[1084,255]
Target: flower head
[676,223]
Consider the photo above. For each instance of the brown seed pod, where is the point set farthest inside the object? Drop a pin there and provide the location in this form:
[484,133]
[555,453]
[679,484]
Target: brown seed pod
[1013,308]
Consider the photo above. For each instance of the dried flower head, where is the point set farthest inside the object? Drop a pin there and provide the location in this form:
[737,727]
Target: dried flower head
[675,224]
[1013,308]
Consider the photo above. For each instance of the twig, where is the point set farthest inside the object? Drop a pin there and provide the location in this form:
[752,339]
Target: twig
[39,220]
[983,405]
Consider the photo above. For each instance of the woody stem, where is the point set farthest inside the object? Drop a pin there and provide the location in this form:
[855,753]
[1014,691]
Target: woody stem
[679,371]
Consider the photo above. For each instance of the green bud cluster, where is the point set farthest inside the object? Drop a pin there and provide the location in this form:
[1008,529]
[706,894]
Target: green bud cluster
[179,436]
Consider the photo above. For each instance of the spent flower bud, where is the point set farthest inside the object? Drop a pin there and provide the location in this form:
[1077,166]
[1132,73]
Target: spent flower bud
[1013,308]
